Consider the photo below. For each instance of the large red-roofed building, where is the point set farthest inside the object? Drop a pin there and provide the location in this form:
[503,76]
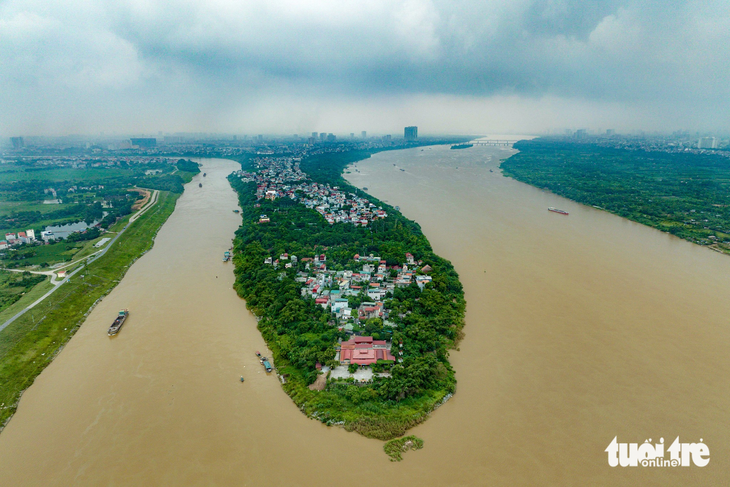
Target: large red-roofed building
[364,351]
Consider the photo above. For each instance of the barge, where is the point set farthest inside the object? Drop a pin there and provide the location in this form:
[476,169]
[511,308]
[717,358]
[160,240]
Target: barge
[555,210]
[121,318]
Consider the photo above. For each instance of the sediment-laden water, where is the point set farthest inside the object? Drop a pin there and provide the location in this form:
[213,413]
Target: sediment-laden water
[579,329]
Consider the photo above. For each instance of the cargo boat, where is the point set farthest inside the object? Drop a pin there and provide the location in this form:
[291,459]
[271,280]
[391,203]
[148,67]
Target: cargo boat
[462,146]
[121,318]
[555,210]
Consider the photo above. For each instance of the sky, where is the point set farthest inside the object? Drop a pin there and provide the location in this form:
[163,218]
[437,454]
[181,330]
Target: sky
[341,66]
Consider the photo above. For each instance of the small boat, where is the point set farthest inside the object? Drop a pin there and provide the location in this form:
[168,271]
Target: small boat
[121,318]
[241,378]
[226,256]
[200,185]
[236,211]
[365,188]
[205,174]
[555,210]
[491,170]
[267,365]
[403,170]
[258,354]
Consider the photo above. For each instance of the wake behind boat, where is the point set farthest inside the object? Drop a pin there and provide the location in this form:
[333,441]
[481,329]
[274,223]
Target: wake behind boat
[562,212]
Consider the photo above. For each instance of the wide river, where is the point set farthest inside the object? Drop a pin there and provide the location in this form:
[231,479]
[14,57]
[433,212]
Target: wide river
[579,329]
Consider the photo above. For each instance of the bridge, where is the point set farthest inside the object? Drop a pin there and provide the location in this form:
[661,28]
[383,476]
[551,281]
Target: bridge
[494,143]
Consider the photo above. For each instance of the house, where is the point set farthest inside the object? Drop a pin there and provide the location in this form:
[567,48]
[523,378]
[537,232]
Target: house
[4,244]
[422,281]
[370,310]
[323,301]
[409,258]
[364,351]
[338,304]
[264,219]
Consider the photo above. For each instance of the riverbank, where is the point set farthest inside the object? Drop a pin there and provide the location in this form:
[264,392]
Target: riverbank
[686,195]
[421,314]
[30,343]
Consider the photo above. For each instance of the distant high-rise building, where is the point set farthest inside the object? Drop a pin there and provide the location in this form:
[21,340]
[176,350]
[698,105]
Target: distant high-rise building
[580,134]
[352,135]
[144,142]
[314,135]
[322,136]
[410,133]
[18,142]
[331,137]
[707,143]
[364,134]
[260,138]
[610,132]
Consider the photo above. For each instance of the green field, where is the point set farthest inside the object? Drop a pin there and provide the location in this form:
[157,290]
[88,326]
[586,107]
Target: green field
[29,344]
[14,285]
[62,174]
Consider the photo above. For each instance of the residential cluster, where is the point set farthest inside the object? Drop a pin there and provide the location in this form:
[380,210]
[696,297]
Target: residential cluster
[12,239]
[281,177]
[331,289]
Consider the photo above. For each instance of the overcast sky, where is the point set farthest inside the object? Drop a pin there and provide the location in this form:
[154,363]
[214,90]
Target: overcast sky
[296,66]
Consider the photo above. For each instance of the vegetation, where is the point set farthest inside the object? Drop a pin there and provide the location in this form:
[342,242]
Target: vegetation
[13,285]
[29,344]
[687,195]
[395,448]
[25,185]
[301,333]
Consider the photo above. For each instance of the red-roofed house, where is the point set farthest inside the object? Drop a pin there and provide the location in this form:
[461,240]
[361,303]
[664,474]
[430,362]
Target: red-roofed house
[364,351]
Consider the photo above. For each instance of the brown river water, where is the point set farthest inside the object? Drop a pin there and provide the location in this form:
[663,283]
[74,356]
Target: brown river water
[579,329]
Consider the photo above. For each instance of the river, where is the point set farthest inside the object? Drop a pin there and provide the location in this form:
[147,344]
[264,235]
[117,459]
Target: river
[579,329]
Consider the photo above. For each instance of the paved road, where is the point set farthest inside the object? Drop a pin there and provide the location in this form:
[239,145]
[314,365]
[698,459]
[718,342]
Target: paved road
[89,259]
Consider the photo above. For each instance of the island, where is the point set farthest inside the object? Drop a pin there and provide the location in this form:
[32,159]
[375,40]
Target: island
[357,309]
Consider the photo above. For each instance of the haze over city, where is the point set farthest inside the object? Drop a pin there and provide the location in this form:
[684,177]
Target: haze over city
[294,67]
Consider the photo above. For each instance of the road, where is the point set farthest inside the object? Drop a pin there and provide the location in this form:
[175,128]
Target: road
[89,259]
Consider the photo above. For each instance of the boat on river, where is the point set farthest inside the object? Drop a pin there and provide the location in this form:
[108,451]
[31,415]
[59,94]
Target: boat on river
[121,318]
[556,210]
[226,256]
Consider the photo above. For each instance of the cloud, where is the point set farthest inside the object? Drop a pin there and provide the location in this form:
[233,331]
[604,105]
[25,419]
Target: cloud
[77,64]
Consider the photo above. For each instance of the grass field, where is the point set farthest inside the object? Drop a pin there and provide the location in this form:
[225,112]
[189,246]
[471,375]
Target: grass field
[28,298]
[29,344]
[62,174]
